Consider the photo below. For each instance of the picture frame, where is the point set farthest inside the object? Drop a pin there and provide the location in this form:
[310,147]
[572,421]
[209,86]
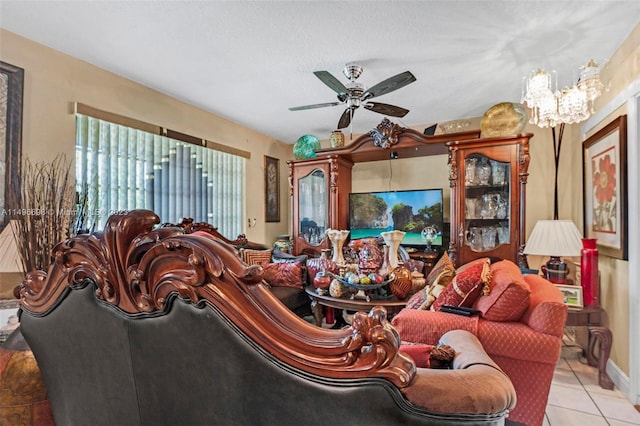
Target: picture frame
[571,295]
[11,95]
[604,159]
[271,189]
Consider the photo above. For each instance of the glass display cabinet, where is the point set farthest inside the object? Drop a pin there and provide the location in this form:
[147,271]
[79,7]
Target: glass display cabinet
[488,179]
[318,187]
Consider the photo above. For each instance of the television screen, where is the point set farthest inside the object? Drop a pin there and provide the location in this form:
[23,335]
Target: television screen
[416,212]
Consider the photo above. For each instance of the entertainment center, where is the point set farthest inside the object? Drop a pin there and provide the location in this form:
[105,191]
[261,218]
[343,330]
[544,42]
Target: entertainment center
[321,188]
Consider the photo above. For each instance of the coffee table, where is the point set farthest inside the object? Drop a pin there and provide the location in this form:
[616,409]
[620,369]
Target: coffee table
[392,305]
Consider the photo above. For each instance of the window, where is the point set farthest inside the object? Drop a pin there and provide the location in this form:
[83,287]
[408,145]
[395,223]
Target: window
[121,168]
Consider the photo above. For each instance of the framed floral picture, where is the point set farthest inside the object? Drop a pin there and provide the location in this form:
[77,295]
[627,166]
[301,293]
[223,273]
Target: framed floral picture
[604,157]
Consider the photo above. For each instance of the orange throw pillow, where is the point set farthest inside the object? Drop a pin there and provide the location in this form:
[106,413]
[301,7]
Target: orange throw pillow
[509,296]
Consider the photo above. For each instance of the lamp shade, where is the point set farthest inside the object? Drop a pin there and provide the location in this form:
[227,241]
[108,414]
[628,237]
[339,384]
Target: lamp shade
[554,238]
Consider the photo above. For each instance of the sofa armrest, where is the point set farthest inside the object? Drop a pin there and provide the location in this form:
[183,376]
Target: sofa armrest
[422,326]
[476,385]
[547,312]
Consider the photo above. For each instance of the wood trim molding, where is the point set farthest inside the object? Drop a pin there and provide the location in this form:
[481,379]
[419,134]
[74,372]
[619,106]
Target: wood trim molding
[138,267]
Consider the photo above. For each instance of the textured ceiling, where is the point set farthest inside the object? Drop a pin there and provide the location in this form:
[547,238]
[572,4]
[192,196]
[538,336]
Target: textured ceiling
[250,61]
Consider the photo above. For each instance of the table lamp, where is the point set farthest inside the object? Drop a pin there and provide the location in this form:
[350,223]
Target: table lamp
[554,238]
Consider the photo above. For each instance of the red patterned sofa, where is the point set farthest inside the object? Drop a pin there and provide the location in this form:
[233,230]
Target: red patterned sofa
[526,346]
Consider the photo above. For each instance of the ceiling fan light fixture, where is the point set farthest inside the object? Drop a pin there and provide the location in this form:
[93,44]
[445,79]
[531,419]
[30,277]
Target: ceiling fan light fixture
[352,71]
[353,94]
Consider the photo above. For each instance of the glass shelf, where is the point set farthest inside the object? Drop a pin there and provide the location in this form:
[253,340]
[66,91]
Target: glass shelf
[486,198]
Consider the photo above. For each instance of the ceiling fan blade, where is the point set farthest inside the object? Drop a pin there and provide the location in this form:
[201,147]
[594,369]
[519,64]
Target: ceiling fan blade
[327,78]
[386,109]
[345,118]
[326,104]
[389,85]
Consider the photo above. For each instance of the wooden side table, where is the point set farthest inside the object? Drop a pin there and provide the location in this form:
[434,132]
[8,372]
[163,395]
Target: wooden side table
[598,333]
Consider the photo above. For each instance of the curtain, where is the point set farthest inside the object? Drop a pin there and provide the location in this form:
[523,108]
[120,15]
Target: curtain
[119,168]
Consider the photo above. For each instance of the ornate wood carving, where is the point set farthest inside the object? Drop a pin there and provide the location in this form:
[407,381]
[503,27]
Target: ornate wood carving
[386,134]
[190,226]
[137,266]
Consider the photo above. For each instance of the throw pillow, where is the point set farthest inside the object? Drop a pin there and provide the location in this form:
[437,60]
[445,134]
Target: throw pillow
[283,274]
[255,257]
[418,352]
[466,286]
[427,295]
[417,299]
[509,296]
[443,269]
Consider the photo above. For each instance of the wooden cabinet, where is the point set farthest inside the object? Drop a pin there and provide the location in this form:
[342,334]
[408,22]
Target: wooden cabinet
[320,187]
[320,190]
[488,179]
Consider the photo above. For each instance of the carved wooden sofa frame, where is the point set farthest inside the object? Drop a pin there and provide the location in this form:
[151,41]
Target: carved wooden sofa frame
[142,325]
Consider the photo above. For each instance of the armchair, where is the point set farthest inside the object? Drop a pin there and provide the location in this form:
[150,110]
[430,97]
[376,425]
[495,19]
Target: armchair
[521,325]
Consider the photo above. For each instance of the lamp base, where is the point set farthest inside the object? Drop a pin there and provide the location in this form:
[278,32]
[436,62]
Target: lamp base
[555,270]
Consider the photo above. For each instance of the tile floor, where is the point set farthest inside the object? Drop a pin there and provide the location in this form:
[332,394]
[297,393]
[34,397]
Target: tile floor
[576,398]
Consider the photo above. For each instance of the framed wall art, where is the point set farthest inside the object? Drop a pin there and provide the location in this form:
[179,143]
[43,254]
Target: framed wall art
[571,295]
[11,92]
[604,157]
[272,189]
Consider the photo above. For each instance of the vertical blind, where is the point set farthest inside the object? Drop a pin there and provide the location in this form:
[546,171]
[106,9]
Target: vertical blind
[119,168]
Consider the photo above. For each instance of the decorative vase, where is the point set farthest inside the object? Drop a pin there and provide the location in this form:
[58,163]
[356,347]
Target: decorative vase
[589,273]
[336,139]
[401,284]
[336,288]
[321,264]
[283,243]
[392,239]
[483,171]
[337,238]
[306,147]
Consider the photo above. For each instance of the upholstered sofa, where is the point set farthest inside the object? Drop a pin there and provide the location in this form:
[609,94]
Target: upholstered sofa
[520,324]
[139,325]
[286,274]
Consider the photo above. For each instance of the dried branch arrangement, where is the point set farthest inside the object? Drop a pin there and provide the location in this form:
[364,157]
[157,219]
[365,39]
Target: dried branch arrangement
[45,210]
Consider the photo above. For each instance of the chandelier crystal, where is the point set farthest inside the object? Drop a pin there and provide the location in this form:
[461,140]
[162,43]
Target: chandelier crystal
[551,107]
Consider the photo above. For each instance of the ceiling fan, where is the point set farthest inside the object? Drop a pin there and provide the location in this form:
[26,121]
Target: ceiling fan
[354,94]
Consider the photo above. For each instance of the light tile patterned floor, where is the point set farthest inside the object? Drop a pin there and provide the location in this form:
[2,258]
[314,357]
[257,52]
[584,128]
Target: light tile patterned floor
[577,399]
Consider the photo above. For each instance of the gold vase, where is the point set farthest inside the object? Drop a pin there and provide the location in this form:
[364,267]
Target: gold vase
[336,139]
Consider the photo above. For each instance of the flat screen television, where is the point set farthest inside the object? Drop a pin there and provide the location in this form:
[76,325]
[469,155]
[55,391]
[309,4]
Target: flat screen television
[419,213]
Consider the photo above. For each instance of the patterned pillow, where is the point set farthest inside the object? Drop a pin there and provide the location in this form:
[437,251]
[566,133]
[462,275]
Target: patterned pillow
[418,298]
[283,274]
[466,286]
[423,298]
[255,257]
[509,296]
[443,269]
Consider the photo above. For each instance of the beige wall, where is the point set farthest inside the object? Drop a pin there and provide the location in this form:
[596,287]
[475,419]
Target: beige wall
[623,68]
[54,81]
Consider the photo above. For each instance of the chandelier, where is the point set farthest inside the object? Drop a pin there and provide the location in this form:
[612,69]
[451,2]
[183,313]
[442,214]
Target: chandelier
[551,107]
